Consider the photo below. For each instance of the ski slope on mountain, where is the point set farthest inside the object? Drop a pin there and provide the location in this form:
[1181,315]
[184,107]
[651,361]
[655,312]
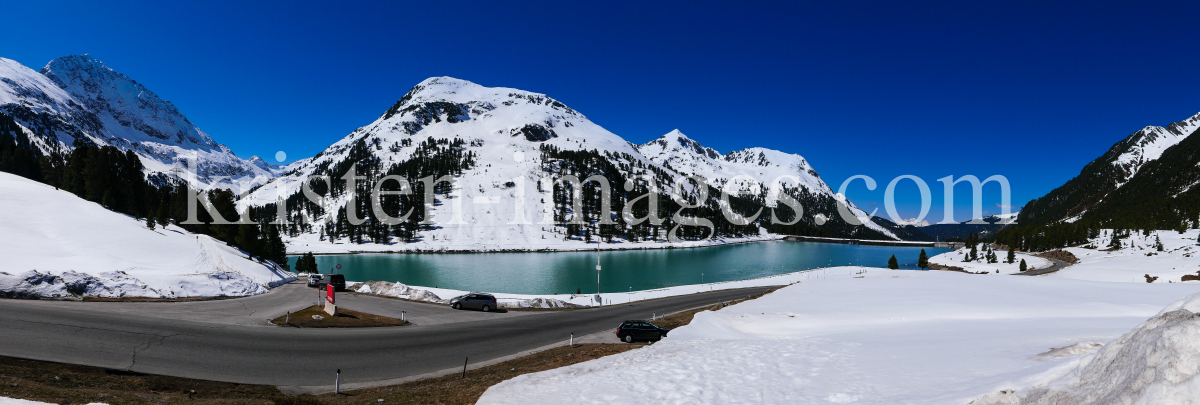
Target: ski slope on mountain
[78,96]
[496,205]
[883,337]
[57,245]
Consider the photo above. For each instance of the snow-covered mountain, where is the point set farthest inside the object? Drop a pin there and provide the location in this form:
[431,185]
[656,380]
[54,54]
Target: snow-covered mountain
[498,142]
[78,97]
[913,222]
[683,155]
[1110,172]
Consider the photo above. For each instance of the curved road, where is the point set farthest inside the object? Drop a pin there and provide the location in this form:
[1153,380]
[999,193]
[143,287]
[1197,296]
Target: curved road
[1058,265]
[229,340]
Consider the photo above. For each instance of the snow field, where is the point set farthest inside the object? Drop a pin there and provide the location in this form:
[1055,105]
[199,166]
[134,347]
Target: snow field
[1138,257]
[15,401]
[954,258]
[57,245]
[889,337]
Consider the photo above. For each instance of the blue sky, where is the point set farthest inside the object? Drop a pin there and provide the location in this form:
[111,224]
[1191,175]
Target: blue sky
[1032,91]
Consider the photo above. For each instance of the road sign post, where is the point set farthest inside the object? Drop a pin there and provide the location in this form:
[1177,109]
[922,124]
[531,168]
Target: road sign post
[330,304]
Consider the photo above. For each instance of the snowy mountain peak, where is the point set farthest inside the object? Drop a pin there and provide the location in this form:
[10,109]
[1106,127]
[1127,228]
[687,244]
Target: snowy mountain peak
[260,163]
[676,141]
[1149,143]
[675,150]
[913,222]
[132,111]
[78,97]
[446,84]
[23,86]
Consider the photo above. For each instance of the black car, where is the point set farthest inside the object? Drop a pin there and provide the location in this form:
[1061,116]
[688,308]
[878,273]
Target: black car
[640,330]
[338,281]
[481,301]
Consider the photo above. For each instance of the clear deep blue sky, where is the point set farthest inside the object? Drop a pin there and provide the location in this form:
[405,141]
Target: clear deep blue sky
[1030,91]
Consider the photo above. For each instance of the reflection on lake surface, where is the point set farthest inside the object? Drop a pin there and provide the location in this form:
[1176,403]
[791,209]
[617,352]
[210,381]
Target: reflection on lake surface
[564,272]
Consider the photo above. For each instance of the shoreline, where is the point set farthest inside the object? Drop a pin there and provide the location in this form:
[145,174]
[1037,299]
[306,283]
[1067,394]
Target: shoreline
[870,242]
[586,300]
[618,247]
[608,247]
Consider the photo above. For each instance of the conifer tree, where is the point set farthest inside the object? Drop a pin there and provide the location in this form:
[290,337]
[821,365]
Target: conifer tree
[1012,257]
[274,247]
[923,260]
[161,215]
[1115,241]
[893,264]
[150,223]
[1023,267]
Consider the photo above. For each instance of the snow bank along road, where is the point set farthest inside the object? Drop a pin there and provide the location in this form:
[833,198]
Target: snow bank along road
[906,337]
[229,340]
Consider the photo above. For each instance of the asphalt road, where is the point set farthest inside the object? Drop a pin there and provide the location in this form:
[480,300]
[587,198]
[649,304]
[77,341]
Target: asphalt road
[1058,265]
[228,340]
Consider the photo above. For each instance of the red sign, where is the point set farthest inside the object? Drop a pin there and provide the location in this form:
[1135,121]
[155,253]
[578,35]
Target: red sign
[329,293]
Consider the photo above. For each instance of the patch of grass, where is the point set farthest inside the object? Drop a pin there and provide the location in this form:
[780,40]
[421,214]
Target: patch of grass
[73,385]
[315,317]
[454,389]
[70,384]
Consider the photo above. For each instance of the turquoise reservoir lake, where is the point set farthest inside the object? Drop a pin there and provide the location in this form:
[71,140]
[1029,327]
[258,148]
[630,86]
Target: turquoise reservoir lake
[564,272]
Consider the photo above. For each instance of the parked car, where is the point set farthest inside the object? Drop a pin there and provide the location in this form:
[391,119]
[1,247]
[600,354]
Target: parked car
[481,301]
[338,281]
[630,331]
[314,280]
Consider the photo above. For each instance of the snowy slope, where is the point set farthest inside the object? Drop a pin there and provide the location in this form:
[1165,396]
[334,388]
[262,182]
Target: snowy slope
[504,128]
[683,155]
[913,222]
[1149,143]
[78,96]
[1102,177]
[23,86]
[1156,363]
[892,337]
[16,401]
[686,156]
[955,258]
[1137,257]
[57,245]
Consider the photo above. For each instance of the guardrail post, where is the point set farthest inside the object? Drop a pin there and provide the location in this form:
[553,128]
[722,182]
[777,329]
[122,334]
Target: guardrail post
[572,340]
